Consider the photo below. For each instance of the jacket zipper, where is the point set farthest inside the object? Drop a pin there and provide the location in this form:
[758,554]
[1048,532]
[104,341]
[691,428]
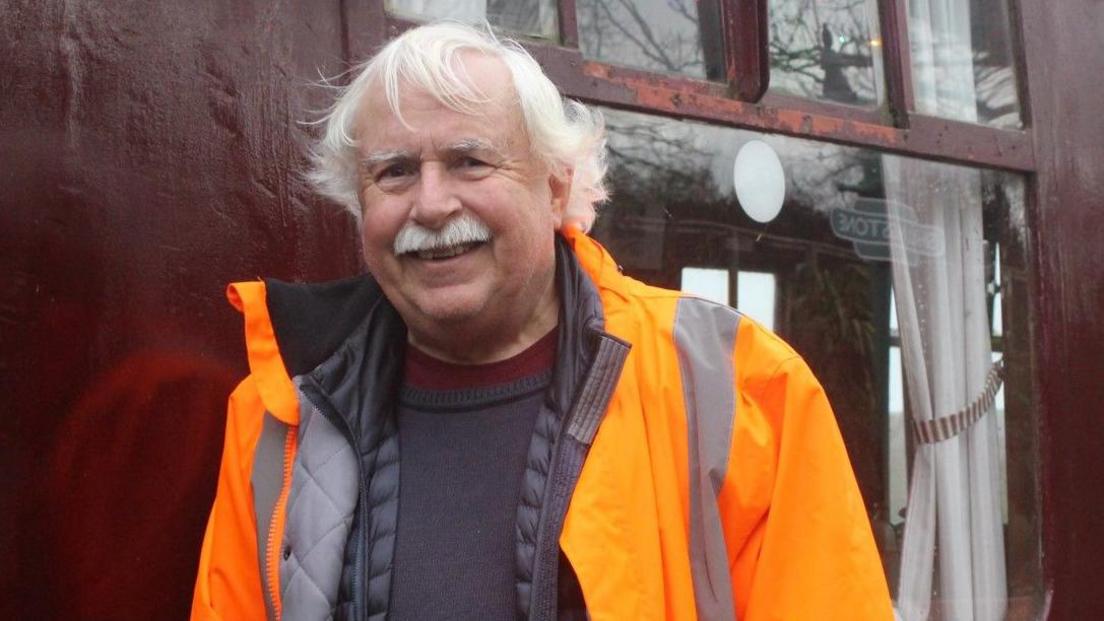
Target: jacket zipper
[564,470]
[272,562]
[314,394]
[564,473]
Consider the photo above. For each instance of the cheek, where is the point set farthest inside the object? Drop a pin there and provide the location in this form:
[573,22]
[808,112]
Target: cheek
[368,234]
[376,242]
[379,222]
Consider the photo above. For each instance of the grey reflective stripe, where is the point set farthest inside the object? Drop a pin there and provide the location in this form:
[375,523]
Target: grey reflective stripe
[598,388]
[705,334]
[267,479]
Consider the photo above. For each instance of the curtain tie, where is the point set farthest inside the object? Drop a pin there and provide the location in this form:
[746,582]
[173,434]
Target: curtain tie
[949,426]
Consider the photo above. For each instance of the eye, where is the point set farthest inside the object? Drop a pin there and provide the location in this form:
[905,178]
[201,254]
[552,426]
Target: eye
[395,171]
[470,162]
[472,168]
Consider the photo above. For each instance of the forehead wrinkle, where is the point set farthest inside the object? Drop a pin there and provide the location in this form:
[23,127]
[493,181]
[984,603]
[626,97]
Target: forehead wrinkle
[379,157]
[467,145]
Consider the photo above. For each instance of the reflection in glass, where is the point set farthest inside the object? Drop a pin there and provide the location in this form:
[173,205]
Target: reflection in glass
[897,445]
[827,49]
[857,224]
[1001,439]
[898,468]
[755,296]
[532,18]
[708,283]
[657,35]
[962,65]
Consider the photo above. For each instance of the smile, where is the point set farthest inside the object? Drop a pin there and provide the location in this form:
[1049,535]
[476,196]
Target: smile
[446,252]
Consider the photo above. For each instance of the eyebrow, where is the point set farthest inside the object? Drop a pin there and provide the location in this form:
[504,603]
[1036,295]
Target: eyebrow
[465,145]
[380,157]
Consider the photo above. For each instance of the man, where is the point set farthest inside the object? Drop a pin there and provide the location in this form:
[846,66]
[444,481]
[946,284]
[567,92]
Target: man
[498,424]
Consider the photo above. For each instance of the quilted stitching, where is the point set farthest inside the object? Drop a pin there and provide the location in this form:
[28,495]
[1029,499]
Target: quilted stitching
[383,494]
[529,507]
[319,516]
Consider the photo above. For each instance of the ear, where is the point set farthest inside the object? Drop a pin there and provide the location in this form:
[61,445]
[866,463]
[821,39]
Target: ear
[559,186]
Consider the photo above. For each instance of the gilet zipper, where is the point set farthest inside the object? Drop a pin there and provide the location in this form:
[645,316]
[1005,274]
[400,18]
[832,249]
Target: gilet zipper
[275,547]
[323,406]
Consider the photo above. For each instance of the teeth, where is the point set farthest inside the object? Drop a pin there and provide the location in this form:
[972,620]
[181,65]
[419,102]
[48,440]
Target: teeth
[444,253]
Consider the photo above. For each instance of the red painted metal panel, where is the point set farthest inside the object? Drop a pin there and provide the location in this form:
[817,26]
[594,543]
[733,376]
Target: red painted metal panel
[1062,47]
[569,24]
[746,47]
[893,15]
[150,154]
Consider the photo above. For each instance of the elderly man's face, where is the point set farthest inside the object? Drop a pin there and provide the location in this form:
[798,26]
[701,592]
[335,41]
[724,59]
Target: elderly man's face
[447,167]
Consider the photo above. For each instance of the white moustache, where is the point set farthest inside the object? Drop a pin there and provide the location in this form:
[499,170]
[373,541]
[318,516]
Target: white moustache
[463,229]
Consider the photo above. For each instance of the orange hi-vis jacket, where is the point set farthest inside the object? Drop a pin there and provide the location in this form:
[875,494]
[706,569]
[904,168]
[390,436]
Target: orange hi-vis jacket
[694,468]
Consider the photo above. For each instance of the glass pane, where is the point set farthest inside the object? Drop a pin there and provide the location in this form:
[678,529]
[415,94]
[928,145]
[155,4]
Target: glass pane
[1001,437]
[755,296]
[532,18]
[898,445]
[857,226]
[827,49]
[658,35]
[710,284]
[962,65]
[995,312]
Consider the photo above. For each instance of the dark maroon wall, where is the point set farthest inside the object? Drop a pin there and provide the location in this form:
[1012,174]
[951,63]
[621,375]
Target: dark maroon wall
[1064,48]
[148,155]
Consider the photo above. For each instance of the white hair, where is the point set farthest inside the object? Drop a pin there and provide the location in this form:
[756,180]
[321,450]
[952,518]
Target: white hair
[564,134]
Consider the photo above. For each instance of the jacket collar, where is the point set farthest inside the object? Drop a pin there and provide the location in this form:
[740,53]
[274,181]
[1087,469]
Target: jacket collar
[298,328]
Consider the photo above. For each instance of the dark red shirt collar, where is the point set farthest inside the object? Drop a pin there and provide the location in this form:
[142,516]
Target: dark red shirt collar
[421,370]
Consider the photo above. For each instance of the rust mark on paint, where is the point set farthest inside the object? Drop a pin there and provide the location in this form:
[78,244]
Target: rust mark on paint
[684,97]
[708,102]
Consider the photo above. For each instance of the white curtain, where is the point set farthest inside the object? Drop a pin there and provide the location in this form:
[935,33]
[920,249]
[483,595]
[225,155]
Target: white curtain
[954,494]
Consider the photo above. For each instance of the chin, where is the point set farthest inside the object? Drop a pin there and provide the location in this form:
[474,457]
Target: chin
[450,311]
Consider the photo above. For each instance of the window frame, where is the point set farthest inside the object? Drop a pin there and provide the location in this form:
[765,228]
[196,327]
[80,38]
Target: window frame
[894,127]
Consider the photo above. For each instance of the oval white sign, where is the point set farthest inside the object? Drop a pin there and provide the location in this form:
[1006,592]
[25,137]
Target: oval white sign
[759,180]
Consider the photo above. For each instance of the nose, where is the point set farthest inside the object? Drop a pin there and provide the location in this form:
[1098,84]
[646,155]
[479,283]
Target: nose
[435,199]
